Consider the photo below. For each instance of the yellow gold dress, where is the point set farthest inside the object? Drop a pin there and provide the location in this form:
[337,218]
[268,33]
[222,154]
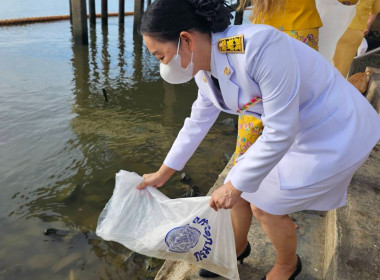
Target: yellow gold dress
[350,41]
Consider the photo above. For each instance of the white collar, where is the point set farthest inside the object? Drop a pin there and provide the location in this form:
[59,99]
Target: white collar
[214,70]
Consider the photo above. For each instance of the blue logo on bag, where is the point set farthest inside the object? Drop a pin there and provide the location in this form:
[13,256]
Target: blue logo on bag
[206,250]
[182,239]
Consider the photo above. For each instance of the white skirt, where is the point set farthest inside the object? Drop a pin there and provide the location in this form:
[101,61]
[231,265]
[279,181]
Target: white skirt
[328,194]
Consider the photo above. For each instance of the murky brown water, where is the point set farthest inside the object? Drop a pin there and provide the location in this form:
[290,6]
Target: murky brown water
[61,145]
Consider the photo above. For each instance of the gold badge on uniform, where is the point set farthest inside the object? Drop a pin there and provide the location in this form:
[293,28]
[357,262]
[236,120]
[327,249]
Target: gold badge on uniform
[234,44]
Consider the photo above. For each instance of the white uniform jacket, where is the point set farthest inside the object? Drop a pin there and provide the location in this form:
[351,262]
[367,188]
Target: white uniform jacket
[316,123]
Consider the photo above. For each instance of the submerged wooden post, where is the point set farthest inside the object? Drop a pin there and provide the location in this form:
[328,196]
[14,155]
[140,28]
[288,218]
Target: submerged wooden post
[91,10]
[104,12]
[80,21]
[139,9]
[121,12]
[71,12]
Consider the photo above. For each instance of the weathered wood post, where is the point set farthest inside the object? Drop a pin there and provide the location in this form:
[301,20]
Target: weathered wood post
[149,2]
[80,21]
[106,59]
[139,9]
[104,13]
[91,10]
[94,53]
[138,57]
[71,12]
[121,12]
[121,58]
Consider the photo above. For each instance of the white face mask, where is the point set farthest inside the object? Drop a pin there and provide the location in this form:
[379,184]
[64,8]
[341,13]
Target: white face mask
[174,73]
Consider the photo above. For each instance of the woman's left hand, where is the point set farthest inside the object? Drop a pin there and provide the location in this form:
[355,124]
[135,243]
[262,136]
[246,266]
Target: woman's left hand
[225,197]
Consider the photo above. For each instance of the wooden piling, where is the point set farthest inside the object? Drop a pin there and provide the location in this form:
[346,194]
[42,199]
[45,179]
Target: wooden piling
[139,9]
[71,12]
[122,55]
[138,57]
[121,12]
[80,30]
[91,11]
[104,13]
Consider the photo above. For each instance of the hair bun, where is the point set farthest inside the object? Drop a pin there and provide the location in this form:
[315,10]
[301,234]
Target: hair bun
[217,12]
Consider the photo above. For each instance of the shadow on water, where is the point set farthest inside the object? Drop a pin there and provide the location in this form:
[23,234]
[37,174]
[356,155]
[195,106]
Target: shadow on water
[132,131]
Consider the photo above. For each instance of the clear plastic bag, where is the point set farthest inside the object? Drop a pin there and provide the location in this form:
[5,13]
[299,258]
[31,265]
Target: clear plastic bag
[185,229]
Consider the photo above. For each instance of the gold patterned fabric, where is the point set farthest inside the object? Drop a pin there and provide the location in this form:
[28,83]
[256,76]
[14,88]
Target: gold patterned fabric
[309,36]
[233,44]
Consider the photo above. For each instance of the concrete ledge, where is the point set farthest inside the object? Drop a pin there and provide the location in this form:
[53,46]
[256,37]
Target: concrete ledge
[330,258]
[340,222]
[358,224]
[173,270]
[373,92]
[371,59]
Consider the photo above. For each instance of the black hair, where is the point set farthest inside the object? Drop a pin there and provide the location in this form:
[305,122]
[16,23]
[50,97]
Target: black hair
[166,19]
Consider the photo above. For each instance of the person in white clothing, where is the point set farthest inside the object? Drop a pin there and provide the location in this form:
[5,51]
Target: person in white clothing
[318,129]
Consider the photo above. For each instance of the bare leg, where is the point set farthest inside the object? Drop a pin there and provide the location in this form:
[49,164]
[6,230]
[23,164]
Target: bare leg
[241,215]
[281,231]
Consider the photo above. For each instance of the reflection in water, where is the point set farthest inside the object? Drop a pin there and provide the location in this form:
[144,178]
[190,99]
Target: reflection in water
[121,60]
[105,57]
[169,101]
[81,74]
[137,63]
[133,131]
[94,70]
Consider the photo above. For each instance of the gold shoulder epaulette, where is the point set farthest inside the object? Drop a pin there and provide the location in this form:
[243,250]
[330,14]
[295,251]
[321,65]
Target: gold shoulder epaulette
[234,44]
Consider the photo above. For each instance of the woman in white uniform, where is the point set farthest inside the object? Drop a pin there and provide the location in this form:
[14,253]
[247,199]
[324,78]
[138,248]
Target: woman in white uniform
[318,128]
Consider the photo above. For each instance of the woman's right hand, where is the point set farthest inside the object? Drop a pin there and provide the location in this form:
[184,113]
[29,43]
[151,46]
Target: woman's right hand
[158,178]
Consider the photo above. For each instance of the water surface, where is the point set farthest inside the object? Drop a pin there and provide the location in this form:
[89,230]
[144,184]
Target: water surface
[38,8]
[61,145]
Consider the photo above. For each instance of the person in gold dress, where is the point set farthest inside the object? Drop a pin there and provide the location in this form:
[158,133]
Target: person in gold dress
[350,41]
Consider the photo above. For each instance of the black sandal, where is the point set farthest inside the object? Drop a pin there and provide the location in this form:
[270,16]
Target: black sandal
[208,274]
[296,272]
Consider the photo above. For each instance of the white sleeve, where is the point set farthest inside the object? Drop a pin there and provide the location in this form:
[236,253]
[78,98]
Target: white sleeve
[203,116]
[273,66]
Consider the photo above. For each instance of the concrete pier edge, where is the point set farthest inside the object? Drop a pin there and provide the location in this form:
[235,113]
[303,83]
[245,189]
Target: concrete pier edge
[331,238]
[373,91]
